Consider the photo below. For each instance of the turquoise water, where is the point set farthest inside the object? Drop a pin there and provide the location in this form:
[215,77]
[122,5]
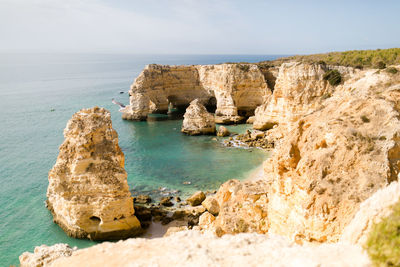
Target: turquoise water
[156,153]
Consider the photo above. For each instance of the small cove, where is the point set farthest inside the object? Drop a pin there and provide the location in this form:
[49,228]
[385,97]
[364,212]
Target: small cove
[39,94]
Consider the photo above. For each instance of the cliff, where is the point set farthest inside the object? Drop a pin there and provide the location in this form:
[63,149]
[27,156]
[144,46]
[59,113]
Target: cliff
[88,192]
[332,153]
[233,90]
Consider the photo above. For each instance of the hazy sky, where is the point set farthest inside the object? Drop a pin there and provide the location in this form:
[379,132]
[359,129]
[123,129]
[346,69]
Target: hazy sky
[198,27]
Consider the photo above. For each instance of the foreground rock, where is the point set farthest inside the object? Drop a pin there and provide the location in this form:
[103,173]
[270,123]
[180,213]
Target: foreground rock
[88,192]
[235,90]
[197,120]
[191,248]
[44,255]
[372,211]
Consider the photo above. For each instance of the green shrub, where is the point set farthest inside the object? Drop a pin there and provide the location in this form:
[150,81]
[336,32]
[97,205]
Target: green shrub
[364,119]
[333,77]
[383,243]
[392,70]
[380,65]
[243,67]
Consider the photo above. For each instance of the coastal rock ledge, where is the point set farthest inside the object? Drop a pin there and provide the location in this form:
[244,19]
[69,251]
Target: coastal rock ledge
[88,192]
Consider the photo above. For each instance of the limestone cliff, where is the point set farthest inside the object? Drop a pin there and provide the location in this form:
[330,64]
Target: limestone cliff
[197,120]
[88,192]
[234,89]
[332,155]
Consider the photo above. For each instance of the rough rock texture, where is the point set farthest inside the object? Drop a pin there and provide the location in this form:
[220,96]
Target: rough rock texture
[196,198]
[211,204]
[88,192]
[235,90]
[243,208]
[191,248]
[197,120]
[371,211]
[44,255]
[329,159]
[334,158]
[298,90]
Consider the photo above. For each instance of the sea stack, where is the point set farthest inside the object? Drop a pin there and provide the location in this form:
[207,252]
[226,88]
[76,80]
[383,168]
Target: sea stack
[88,192]
[197,120]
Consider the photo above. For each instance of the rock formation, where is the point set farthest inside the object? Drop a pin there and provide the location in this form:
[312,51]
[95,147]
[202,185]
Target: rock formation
[235,90]
[328,159]
[88,192]
[191,248]
[197,120]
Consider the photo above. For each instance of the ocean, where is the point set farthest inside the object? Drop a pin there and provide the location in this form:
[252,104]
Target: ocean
[38,95]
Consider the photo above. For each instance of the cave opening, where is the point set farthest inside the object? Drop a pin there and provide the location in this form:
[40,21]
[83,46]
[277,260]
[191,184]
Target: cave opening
[211,105]
[95,219]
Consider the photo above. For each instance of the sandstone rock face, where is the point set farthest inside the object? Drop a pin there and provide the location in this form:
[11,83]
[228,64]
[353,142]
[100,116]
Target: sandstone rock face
[88,192]
[243,208]
[44,255]
[191,248]
[197,120]
[335,158]
[234,89]
[371,211]
[298,90]
[327,161]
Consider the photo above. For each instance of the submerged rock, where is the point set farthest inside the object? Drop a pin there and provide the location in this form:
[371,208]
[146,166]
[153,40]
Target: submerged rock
[197,120]
[88,192]
[222,131]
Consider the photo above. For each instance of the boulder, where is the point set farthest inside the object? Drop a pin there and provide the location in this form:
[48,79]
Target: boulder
[196,199]
[197,120]
[166,201]
[88,192]
[222,131]
[206,219]
[211,204]
[142,199]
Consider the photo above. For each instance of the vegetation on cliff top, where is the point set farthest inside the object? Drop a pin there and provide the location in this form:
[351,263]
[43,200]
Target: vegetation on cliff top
[383,244]
[379,58]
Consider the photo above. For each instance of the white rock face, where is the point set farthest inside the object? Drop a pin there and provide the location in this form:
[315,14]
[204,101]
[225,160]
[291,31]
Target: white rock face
[235,89]
[197,120]
[88,192]
[191,248]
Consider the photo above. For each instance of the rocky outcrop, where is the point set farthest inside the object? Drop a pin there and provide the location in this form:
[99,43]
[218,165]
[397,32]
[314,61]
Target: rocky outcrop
[88,192]
[223,131]
[326,162]
[299,89]
[197,120]
[335,158]
[191,248]
[235,90]
[44,255]
[372,211]
[196,199]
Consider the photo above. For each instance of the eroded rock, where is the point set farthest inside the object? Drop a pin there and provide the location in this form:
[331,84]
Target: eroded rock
[44,255]
[197,120]
[88,192]
[196,199]
[223,131]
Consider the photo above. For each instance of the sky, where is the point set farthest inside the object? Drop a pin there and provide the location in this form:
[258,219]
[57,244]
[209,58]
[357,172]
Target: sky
[198,26]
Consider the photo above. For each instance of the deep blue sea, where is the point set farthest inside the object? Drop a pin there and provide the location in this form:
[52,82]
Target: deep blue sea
[38,95]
